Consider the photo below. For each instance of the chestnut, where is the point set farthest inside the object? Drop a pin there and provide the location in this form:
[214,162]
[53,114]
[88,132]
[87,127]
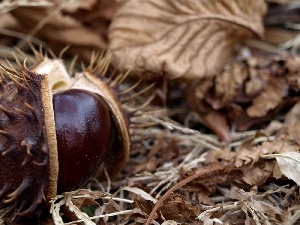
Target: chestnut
[55,142]
[84,135]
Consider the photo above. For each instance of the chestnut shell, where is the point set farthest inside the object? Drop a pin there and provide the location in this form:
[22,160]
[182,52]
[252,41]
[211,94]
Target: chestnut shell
[28,143]
[84,134]
[24,150]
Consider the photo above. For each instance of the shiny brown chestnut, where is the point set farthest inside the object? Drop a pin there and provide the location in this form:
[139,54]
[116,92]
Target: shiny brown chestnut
[52,143]
[84,135]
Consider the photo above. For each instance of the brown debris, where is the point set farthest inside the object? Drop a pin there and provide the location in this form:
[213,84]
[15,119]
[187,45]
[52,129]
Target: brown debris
[257,210]
[158,154]
[205,172]
[249,165]
[247,92]
[175,207]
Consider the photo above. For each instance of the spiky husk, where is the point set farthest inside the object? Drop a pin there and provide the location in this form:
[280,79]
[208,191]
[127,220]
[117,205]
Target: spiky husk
[24,160]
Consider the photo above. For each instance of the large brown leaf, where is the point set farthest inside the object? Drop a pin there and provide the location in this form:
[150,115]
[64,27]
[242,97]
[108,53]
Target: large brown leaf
[181,38]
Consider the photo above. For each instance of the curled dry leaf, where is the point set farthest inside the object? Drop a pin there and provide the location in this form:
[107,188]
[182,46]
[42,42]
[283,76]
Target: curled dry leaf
[83,25]
[246,92]
[291,125]
[204,186]
[181,39]
[294,132]
[255,170]
[248,164]
[74,201]
[293,116]
[289,164]
[175,207]
[6,6]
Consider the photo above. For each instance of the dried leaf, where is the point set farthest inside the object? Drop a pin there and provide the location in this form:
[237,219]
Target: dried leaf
[234,76]
[261,211]
[205,185]
[280,35]
[246,92]
[294,132]
[58,27]
[82,26]
[77,5]
[177,208]
[79,214]
[293,116]
[255,170]
[269,99]
[170,222]
[181,39]
[6,6]
[74,201]
[258,174]
[289,164]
